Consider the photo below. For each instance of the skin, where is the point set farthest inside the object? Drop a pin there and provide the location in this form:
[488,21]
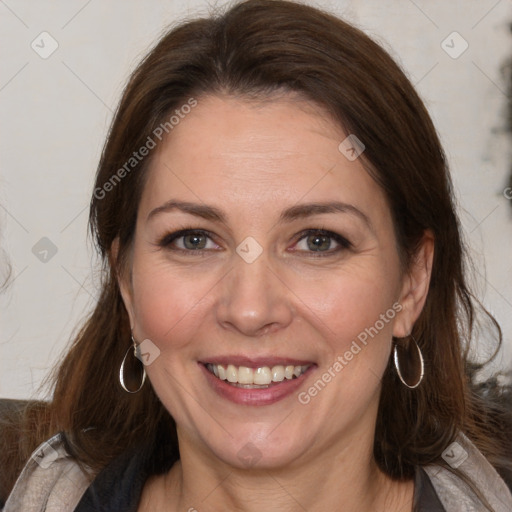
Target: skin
[251,160]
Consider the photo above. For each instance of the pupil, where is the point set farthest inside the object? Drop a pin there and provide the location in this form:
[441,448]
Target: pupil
[320,241]
[195,241]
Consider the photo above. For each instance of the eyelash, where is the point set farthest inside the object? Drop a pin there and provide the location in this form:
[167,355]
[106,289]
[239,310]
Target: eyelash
[166,241]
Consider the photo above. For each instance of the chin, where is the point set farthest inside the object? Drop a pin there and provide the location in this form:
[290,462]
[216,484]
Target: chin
[254,451]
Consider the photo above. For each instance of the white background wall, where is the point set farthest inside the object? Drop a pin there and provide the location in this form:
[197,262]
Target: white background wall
[55,112]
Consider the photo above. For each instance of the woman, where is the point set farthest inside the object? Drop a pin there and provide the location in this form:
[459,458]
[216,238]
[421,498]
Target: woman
[283,262]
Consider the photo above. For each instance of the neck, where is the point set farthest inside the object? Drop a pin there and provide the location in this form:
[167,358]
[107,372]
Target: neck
[350,480]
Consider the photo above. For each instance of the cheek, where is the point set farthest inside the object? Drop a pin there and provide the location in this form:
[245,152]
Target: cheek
[351,303]
[167,303]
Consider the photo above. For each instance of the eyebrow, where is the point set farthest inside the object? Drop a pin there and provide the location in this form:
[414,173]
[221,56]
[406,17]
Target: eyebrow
[295,212]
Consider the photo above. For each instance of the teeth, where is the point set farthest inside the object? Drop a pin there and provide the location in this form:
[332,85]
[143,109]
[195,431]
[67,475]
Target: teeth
[231,373]
[277,373]
[288,372]
[245,375]
[262,376]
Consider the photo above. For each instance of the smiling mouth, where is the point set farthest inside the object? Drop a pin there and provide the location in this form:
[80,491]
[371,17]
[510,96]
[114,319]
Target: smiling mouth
[255,378]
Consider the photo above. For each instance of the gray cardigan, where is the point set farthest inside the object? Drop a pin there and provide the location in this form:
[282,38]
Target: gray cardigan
[51,481]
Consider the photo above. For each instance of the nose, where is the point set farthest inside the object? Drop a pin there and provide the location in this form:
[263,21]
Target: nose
[254,299]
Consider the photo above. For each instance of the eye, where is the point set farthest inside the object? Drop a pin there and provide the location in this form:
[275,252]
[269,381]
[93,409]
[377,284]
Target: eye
[187,240]
[321,241]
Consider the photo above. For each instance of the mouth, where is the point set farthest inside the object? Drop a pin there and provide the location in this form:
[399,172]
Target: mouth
[255,382]
[261,377]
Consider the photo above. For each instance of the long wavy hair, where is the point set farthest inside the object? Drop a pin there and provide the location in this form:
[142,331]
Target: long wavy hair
[252,50]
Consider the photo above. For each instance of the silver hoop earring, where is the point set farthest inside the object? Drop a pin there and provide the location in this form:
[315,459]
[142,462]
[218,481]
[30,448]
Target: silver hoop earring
[121,370]
[411,375]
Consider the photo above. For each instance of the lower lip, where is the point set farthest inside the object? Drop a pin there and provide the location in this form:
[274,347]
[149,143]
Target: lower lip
[255,396]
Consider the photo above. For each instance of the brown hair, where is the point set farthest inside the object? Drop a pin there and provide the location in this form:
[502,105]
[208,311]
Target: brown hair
[256,48]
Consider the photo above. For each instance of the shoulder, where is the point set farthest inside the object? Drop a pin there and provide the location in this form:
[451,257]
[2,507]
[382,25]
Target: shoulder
[50,480]
[454,493]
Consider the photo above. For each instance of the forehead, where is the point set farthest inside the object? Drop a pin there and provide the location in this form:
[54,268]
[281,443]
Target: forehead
[249,155]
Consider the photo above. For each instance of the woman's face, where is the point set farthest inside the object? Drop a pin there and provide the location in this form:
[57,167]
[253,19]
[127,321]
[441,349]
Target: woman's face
[268,277]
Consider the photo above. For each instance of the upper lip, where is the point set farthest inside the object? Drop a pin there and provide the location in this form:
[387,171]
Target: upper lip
[256,362]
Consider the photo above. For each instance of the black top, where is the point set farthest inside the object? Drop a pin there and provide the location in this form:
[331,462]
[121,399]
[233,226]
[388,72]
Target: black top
[118,487]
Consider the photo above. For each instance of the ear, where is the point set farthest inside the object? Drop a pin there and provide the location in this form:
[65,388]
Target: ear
[415,287]
[123,280]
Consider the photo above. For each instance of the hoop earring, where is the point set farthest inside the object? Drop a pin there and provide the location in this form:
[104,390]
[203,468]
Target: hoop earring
[121,370]
[416,357]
